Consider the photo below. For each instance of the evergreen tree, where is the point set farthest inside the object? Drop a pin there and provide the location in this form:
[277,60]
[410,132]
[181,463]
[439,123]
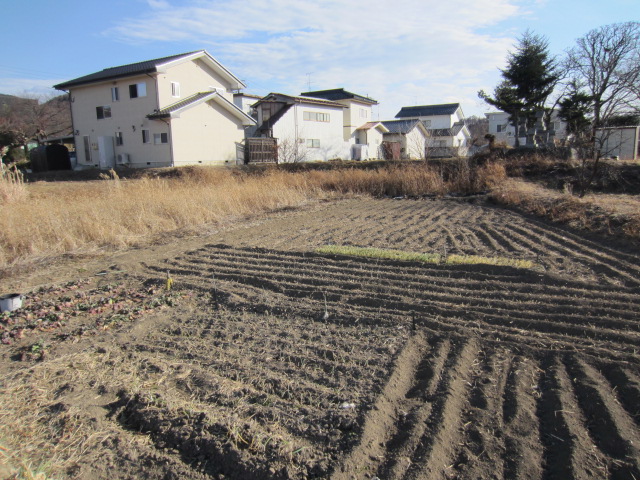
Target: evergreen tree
[575,108]
[529,78]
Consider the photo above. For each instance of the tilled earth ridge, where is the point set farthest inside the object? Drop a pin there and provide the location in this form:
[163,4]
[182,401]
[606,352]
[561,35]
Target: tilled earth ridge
[280,362]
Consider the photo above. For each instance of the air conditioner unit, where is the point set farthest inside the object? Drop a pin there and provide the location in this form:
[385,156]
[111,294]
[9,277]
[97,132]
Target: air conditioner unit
[123,158]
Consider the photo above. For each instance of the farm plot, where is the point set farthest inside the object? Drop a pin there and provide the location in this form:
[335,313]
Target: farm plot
[281,362]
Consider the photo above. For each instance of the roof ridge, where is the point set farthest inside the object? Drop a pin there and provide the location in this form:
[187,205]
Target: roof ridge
[153,60]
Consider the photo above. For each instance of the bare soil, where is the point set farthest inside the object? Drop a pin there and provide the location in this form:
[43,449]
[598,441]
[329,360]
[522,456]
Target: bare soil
[267,360]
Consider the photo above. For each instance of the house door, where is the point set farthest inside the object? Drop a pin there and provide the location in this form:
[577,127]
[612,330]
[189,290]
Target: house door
[106,153]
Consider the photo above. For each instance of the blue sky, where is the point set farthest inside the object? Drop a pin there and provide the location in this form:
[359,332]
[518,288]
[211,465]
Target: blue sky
[402,53]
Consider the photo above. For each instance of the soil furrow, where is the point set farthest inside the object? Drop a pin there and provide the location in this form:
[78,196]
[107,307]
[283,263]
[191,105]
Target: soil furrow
[523,454]
[380,422]
[436,449]
[609,426]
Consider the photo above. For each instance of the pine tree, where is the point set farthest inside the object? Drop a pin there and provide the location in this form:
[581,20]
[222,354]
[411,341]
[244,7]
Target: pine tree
[528,80]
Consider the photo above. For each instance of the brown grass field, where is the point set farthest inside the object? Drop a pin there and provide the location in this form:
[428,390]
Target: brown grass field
[194,326]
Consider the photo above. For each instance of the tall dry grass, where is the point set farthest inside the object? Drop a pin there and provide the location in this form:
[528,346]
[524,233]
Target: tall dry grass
[12,186]
[70,217]
[83,217]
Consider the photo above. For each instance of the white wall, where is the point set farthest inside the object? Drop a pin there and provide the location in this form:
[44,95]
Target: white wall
[293,128]
[621,142]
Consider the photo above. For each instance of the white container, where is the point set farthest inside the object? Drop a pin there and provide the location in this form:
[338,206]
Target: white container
[11,302]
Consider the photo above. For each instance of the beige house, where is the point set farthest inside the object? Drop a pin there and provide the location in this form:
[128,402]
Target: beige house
[170,111]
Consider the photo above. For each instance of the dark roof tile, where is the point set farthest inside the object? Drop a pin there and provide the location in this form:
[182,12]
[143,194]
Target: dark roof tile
[147,66]
[428,110]
[339,94]
[400,126]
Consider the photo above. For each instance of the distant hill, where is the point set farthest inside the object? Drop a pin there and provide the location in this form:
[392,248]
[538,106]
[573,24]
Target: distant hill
[33,119]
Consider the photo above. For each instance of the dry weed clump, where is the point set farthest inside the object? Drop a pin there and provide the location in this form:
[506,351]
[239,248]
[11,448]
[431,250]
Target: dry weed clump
[609,214]
[12,188]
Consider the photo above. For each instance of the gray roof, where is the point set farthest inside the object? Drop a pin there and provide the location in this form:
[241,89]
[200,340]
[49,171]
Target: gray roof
[149,66]
[339,94]
[400,126]
[166,112]
[428,110]
[199,98]
[446,132]
[290,99]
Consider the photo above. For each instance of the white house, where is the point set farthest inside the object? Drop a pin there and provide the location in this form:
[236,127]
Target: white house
[306,129]
[169,111]
[504,131]
[448,134]
[368,141]
[412,136]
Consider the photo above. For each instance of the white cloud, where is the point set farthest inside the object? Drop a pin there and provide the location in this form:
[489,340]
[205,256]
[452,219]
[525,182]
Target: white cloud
[396,51]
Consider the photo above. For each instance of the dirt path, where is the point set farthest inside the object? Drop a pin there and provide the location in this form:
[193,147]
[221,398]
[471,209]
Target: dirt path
[273,361]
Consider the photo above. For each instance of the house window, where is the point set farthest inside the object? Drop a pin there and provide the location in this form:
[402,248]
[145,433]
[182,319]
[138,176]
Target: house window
[441,143]
[138,90]
[552,126]
[175,89]
[268,111]
[103,112]
[363,113]
[159,138]
[501,128]
[115,94]
[313,143]
[316,116]
[118,138]
[146,138]
[87,148]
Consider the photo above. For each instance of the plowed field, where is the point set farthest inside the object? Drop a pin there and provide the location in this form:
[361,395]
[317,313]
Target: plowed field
[279,362]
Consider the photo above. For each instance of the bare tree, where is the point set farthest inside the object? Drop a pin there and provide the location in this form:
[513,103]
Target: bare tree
[605,65]
[478,128]
[24,119]
[291,150]
[417,146]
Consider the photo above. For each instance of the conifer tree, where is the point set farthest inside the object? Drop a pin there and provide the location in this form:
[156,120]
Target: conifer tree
[528,79]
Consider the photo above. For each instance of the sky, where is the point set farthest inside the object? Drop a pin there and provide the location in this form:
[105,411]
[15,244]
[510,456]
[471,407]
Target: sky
[401,53]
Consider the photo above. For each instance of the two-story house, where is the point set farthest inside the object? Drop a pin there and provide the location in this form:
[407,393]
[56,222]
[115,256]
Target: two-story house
[448,135]
[306,128]
[357,113]
[169,111]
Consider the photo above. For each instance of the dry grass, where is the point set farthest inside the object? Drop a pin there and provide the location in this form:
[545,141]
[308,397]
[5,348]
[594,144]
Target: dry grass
[52,219]
[12,188]
[71,217]
[612,214]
